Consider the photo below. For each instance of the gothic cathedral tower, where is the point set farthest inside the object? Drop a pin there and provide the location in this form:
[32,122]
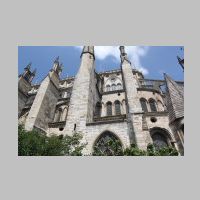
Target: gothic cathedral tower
[133,104]
[81,103]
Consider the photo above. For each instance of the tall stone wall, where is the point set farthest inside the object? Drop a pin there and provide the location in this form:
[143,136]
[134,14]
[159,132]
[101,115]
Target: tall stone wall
[81,102]
[94,131]
[88,88]
[22,99]
[112,98]
[23,89]
[43,108]
[94,96]
[133,106]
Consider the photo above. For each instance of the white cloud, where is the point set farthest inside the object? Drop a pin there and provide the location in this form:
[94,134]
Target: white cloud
[134,54]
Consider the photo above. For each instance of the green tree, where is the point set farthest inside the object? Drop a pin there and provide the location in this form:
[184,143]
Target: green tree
[133,150]
[33,143]
[165,151]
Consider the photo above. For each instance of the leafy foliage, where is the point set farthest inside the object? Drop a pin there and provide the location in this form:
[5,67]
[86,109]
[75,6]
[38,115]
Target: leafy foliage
[165,151]
[33,143]
[112,148]
[133,150]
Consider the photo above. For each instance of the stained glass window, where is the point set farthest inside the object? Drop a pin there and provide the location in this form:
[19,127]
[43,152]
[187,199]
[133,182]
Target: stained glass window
[58,115]
[143,103]
[119,86]
[117,108]
[152,104]
[108,144]
[108,88]
[113,87]
[159,140]
[109,109]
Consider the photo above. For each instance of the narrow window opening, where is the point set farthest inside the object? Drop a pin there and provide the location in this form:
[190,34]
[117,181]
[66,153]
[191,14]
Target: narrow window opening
[74,127]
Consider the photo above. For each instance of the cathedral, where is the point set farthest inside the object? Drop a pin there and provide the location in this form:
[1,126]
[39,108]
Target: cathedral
[119,104]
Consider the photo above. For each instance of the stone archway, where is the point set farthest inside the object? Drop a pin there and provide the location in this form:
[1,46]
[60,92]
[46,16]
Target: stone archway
[107,144]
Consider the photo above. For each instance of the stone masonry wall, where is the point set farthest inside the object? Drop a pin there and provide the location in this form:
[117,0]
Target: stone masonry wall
[43,108]
[94,131]
[81,98]
[22,98]
[23,89]
[131,85]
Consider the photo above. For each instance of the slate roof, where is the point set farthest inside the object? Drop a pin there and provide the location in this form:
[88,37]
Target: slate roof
[174,98]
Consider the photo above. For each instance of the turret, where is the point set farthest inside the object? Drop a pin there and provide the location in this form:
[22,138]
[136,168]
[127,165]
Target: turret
[133,106]
[28,75]
[82,99]
[123,54]
[57,67]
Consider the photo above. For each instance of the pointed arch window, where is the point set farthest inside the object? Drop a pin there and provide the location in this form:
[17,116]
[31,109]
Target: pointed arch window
[64,114]
[113,87]
[108,88]
[117,108]
[152,104]
[143,103]
[103,145]
[58,115]
[109,109]
[119,86]
[98,109]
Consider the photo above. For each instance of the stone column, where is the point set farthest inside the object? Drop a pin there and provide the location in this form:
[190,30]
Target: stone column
[133,104]
[81,103]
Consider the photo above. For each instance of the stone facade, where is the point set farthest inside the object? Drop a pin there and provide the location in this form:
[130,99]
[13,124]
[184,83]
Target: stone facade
[119,102]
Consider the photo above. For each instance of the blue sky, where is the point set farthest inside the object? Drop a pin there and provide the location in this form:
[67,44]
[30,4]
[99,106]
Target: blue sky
[153,61]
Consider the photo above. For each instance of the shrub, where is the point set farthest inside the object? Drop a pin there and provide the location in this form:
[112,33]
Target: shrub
[33,143]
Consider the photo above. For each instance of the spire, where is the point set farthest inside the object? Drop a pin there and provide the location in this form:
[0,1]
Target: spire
[57,67]
[88,49]
[56,64]
[122,50]
[123,54]
[33,75]
[28,75]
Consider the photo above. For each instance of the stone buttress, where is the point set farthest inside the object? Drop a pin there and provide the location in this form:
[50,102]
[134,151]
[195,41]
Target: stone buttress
[43,108]
[133,106]
[81,103]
